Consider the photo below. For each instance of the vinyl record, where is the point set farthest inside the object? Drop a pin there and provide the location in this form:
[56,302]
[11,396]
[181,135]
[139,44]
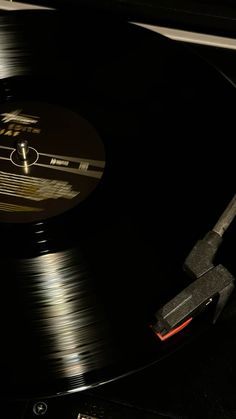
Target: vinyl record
[111,147]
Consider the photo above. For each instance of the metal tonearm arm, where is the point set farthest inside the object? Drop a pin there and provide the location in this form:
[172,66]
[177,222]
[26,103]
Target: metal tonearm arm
[210,281]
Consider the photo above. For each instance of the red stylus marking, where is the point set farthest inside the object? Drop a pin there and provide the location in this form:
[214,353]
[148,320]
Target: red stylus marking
[174,331]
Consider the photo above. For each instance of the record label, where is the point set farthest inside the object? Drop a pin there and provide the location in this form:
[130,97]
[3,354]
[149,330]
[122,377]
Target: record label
[51,159]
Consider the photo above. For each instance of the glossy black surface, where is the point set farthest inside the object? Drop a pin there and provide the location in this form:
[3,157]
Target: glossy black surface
[204,16]
[76,306]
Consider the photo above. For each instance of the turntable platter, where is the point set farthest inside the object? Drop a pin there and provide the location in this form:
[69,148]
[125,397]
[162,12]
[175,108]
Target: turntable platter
[124,132]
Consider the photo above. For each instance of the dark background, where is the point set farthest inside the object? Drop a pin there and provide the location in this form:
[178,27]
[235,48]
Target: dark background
[209,16]
[213,17]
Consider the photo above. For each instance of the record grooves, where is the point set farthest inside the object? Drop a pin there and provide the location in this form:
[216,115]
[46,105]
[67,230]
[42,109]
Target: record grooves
[109,172]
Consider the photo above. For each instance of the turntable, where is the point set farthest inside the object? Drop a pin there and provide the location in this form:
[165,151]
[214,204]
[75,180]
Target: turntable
[116,158]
